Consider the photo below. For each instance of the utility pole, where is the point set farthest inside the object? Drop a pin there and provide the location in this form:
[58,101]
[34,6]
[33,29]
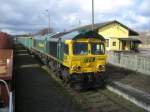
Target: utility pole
[79,22]
[92,15]
[48,20]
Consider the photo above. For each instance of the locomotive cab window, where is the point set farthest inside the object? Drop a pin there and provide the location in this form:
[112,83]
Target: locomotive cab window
[80,48]
[97,48]
[66,49]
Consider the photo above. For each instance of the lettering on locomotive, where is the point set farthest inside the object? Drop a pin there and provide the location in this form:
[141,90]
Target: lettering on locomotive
[42,45]
[88,59]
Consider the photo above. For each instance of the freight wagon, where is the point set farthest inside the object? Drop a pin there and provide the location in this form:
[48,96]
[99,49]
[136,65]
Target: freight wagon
[25,41]
[6,66]
[5,41]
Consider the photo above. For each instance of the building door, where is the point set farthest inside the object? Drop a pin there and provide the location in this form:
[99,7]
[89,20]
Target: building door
[124,45]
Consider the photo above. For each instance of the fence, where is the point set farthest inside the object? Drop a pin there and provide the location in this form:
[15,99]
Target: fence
[144,46]
[132,62]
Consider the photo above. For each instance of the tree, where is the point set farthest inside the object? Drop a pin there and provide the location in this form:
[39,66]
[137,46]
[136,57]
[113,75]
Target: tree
[45,31]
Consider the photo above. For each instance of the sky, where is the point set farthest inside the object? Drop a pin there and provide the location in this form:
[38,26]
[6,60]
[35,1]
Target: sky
[29,16]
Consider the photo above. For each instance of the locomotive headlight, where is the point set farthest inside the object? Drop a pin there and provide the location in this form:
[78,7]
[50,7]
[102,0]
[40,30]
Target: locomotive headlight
[76,68]
[73,67]
[101,67]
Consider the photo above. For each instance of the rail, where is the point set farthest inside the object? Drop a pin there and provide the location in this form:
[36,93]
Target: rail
[10,106]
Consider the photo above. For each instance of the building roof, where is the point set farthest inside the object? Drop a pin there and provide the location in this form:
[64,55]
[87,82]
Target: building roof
[100,25]
[131,39]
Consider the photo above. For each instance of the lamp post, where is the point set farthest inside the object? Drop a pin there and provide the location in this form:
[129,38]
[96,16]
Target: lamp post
[48,20]
[92,15]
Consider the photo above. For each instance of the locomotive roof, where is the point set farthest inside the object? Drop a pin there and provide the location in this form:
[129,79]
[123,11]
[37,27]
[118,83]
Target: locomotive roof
[56,35]
[71,35]
[81,34]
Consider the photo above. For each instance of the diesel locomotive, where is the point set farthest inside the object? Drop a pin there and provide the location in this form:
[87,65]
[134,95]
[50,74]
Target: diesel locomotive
[78,57]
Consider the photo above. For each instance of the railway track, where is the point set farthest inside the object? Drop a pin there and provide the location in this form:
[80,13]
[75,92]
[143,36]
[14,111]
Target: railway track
[100,100]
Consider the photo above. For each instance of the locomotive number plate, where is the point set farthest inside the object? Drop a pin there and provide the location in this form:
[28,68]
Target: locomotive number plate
[87,59]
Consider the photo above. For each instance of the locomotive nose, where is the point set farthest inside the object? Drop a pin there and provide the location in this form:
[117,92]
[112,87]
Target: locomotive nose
[87,64]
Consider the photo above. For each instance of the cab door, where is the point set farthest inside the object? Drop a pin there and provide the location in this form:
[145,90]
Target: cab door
[66,53]
[60,50]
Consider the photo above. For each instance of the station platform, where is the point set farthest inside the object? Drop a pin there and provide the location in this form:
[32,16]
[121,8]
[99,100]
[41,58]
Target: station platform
[35,90]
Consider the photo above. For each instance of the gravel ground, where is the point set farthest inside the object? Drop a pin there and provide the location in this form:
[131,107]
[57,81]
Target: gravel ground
[104,100]
[99,100]
[134,79]
[36,91]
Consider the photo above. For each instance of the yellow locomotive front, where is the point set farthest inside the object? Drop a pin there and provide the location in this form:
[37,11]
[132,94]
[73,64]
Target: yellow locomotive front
[84,59]
[86,56]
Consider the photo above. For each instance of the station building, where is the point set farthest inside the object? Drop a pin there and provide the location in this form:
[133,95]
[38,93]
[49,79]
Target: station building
[118,36]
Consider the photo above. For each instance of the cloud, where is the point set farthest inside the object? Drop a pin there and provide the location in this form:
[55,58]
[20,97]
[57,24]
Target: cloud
[108,6]
[18,16]
[144,7]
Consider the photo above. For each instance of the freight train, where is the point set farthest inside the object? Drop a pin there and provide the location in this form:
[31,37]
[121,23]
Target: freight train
[79,57]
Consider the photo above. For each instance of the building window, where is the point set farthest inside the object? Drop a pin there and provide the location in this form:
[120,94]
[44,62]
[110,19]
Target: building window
[114,43]
[107,42]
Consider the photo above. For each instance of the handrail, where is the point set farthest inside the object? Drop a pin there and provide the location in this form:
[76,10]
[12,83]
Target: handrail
[10,102]
[5,84]
[9,94]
